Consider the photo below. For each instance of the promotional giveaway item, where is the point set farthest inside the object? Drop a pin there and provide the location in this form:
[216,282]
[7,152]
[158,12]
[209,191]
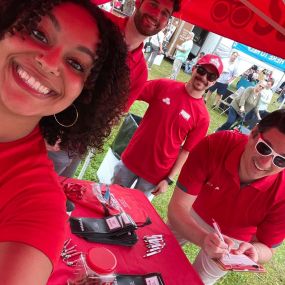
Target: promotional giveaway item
[101,199]
[154,244]
[148,279]
[118,229]
[97,267]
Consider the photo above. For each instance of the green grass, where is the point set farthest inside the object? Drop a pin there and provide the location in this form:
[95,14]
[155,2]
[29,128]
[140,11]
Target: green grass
[274,275]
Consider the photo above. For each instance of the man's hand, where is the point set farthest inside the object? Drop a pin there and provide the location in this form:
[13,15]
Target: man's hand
[242,109]
[160,188]
[55,147]
[214,247]
[247,249]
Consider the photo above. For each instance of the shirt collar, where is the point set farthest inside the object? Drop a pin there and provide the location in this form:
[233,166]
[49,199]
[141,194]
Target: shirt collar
[136,54]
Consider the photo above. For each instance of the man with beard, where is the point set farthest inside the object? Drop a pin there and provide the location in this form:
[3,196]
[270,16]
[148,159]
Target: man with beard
[150,17]
[176,116]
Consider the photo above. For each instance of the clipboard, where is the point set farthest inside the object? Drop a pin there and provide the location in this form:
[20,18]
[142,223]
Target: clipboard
[240,263]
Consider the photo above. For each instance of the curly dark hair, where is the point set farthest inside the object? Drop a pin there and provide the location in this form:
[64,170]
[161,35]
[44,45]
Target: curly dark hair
[104,95]
[176,5]
[275,119]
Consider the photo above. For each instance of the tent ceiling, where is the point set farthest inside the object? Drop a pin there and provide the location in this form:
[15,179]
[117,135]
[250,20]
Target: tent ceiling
[257,23]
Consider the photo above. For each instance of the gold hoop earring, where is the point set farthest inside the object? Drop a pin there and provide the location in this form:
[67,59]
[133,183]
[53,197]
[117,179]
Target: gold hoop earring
[70,125]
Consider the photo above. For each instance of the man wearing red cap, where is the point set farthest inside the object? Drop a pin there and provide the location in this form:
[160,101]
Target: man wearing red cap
[176,117]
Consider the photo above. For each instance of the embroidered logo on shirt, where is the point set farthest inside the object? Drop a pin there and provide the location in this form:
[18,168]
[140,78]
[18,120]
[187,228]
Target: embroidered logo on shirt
[166,101]
[185,115]
[213,186]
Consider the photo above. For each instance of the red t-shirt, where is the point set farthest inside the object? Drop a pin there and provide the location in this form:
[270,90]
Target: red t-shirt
[211,173]
[32,203]
[173,116]
[136,63]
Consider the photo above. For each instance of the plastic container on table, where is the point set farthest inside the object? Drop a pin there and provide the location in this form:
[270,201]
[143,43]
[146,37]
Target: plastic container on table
[97,267]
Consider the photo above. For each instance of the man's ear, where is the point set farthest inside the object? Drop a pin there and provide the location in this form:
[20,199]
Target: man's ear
[254,132]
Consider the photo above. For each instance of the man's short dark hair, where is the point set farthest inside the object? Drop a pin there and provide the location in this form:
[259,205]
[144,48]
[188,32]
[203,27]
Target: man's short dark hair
[176,5]
[275,119]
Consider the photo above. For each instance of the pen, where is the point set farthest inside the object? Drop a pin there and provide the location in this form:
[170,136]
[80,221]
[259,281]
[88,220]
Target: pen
[218,232]
[152,253]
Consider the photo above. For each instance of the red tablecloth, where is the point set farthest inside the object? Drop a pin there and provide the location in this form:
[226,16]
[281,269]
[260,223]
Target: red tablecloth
[171,262]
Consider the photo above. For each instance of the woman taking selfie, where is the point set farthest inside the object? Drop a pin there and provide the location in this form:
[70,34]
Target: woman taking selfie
[62,63]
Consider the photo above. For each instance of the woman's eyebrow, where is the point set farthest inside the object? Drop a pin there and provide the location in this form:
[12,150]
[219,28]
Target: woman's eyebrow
[54,21]
[87,51]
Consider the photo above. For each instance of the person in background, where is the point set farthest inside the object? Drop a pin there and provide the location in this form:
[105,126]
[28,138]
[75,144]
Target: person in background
[190,63]
[156,48]
[229,74]
[252,118]
[176,119]
[262,75]
[242,104]
[239,181]
[181,55]
[149,18]
[54,55]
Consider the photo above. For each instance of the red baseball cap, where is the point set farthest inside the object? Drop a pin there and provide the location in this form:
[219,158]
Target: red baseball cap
[212,59]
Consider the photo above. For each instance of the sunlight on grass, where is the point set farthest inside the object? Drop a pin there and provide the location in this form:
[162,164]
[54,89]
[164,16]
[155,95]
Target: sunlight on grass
[274,275]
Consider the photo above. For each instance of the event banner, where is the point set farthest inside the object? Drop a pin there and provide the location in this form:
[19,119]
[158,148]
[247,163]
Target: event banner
[272,60]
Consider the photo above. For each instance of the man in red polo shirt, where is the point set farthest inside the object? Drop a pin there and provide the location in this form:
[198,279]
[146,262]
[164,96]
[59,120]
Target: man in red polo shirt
[176,116]
[150,17]
[238,181]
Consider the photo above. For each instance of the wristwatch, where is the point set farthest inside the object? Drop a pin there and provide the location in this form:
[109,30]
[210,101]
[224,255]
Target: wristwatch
[169,181]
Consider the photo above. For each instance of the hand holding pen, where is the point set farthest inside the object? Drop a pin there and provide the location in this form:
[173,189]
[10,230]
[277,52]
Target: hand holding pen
[218,232]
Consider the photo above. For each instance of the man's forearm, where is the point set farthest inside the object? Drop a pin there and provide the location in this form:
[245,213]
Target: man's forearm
[182,157]
[183,223]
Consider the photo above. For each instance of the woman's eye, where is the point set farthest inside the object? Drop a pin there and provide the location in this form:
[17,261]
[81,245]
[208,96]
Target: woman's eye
[75,65]
[40,36]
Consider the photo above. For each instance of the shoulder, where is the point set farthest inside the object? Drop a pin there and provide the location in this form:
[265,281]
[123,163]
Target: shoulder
[164,83]
[224,140]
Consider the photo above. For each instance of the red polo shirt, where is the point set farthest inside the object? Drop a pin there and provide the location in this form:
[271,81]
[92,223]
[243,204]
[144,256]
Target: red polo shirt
[32,203]
[136,63]
[173,119]
[211,173]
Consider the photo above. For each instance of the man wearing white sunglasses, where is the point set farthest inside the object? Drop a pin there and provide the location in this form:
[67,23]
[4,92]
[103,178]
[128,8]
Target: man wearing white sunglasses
[239,181]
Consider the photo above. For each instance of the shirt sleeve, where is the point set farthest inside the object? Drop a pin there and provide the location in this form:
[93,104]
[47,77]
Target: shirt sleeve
[194,172]
[151,88]
[37,215]
[196,134]
[272,230]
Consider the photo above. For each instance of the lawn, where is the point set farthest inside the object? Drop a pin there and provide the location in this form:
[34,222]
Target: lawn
[274,273]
